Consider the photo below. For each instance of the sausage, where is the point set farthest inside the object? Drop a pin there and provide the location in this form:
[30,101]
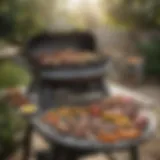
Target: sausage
[96,124]
[63,127]
[131,111]
[107,137]
[109,127]
[80,129]
[141,122]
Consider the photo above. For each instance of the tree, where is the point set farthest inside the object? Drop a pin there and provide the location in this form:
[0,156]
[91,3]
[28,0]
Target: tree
[137,16]
[21,19]
[142,14]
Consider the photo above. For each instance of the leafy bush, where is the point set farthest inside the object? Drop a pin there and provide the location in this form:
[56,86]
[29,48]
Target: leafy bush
[20,19]
[134,14]
[11,124]
[151,52]
[11,75]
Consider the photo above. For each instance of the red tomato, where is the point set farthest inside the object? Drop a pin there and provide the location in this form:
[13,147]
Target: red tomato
[141,122]
[127,100]
[95,110]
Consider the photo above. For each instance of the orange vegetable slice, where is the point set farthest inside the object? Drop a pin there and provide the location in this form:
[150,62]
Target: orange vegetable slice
[107,137]
[129,133]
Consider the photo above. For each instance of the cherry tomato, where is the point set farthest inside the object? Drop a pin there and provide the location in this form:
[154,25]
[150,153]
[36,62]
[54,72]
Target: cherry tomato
[95,110]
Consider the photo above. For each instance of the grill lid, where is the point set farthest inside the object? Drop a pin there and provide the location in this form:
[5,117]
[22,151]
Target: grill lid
[77,40]
[48,43]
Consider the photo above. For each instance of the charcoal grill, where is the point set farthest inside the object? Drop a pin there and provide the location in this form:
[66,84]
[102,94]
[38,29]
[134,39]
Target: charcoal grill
[55,86]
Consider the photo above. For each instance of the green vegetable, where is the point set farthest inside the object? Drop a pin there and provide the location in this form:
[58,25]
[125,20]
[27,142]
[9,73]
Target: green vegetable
[151,52]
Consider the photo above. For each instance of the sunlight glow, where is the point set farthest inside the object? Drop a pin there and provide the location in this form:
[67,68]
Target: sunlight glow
[80,3]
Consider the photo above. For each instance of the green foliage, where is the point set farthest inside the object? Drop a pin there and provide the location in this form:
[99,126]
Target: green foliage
[151,52]
[134,14]
[11,75]
[20,19]
[11,124]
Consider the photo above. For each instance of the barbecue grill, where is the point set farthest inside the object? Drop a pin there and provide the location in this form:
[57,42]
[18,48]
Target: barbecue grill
[82,41]
[74,148]
[56,86]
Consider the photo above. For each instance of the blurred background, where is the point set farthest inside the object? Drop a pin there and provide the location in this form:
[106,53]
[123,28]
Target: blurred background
[128,32]
[122,28]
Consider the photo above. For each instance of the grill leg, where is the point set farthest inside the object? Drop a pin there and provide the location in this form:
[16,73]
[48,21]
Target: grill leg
[43,155]
[31,87]
[63,153]
[134,153]
[59,153]
[76,154]
[34,86]
[72,155]
[104,87]
[27,143]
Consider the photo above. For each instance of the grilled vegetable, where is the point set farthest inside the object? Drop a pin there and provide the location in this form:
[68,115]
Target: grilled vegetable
[99,122]
[107,137]
[129,133]
[95,110]
[28,109]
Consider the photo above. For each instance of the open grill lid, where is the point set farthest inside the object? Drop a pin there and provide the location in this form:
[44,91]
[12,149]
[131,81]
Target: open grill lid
[55,41]
[82,41]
